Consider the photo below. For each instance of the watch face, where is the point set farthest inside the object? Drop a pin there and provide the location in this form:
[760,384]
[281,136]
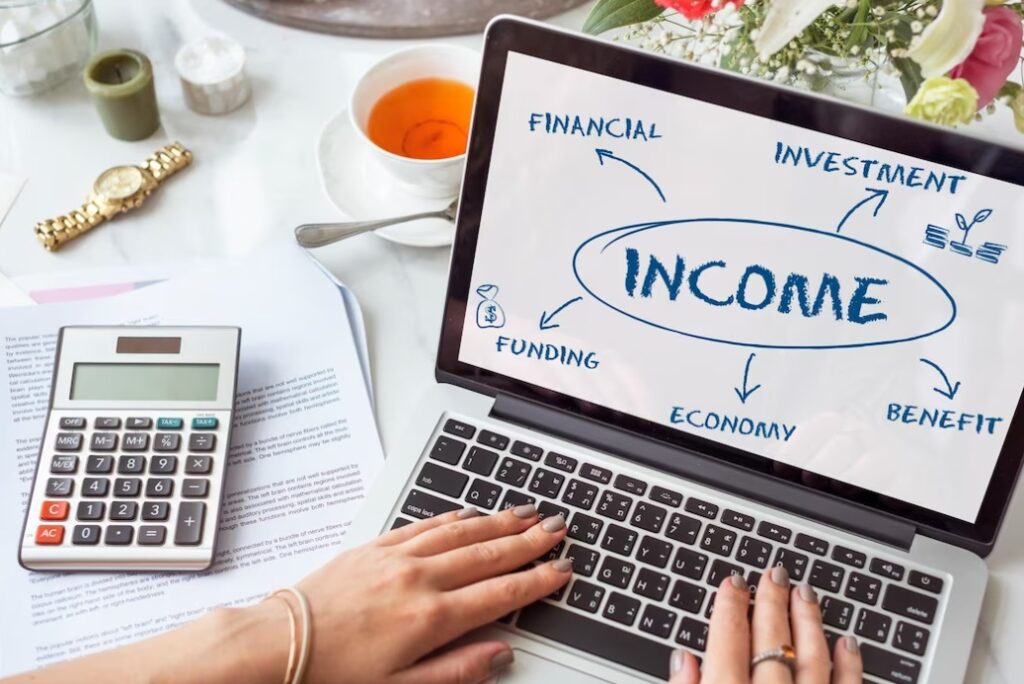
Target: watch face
[119,182]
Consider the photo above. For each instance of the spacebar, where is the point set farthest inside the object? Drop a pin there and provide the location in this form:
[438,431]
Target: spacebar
[571,629]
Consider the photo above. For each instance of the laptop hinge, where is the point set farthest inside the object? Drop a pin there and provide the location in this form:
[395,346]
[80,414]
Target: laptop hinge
[881,527]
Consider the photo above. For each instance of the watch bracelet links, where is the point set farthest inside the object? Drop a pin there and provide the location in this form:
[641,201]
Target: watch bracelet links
[167,161]
[53,233]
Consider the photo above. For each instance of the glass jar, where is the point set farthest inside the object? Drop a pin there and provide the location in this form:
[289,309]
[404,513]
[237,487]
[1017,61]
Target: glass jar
[44,43]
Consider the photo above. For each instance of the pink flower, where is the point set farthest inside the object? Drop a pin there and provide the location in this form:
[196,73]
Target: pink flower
[694,9]
[995,55]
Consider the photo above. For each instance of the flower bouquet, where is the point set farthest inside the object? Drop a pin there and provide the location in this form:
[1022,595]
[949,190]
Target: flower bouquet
[955,59]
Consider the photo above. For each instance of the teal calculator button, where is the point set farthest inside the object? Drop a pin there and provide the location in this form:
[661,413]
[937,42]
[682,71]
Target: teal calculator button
[169,423]
[207,423]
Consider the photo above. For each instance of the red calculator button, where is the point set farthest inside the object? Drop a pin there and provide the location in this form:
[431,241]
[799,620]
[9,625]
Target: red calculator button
[54,510]
[49,534]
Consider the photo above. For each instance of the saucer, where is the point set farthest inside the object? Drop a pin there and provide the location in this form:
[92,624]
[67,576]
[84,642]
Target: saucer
[362,189]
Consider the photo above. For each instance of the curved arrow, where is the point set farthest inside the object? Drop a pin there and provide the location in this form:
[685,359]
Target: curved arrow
[746,372]
[545,317]
[607,154]
[950,390]
[874,193]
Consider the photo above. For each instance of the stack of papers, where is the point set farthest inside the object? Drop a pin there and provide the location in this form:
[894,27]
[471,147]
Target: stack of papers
[305,448]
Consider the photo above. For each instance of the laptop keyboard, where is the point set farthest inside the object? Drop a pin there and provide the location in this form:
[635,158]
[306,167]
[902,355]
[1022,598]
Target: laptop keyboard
[647,557]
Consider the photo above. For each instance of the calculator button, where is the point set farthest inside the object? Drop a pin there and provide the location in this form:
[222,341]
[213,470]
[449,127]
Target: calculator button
[54,510]
[49,534]
[123,510]
[152,535]
[135,441]
[68,441]
[99,464]
[72,423]
[107,423]
[95,486]
[201,442]
[155,510]
[139,423]
[118,535]
[169,423]
[159,486]
[189,530]
[60,486]
[127,486]
[65,463]
[198,465]
[195,489]
[129,465]
[103,441]
[163,465]
[86,534]
[167,441]
[90,510]
[205,423]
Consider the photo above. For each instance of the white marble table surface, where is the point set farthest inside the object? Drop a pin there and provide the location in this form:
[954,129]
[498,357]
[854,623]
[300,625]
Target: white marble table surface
[255,178]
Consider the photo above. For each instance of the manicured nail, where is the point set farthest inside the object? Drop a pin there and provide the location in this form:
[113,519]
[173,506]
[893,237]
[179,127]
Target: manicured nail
[501,660]
[676,662]
[525,511]
[553,524]
[562,565]
[780,576]
[738,582]
[807,593]
[468,512]
[850,644]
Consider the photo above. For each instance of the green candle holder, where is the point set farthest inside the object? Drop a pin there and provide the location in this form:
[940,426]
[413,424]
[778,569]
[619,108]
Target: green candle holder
[121,85]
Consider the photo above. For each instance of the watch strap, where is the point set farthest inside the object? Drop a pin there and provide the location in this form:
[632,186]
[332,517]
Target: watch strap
[167,161]
[53,233]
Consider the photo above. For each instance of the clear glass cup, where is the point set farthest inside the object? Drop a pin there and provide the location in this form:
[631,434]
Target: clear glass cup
[44,43]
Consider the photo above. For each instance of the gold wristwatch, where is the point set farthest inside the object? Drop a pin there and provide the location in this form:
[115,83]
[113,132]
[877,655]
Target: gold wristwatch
[116,191]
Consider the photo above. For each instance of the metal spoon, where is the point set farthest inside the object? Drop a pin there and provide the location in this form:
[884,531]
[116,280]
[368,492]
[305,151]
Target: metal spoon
[312,235]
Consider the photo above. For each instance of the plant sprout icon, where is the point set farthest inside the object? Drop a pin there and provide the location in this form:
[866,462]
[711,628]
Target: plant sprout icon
[937,236]
[961,222]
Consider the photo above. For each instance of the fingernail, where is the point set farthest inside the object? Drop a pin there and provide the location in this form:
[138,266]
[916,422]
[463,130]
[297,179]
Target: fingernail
[562,565]
[780,576]
[850,644]
[738,582]
[501,660]
[677,661]
[807,593]
[553,524]
[525,511]
[468,512]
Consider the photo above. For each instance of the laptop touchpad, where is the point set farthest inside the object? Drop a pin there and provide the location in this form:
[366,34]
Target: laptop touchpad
[529,669]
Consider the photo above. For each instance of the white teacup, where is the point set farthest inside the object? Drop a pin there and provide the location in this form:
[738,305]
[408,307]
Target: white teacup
[433,178]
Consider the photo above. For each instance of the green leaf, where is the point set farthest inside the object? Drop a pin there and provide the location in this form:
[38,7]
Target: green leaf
[910,75]
[610,14]
[859,32]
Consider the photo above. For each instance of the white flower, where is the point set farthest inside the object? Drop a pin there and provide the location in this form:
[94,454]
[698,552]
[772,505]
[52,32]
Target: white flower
[949,39]
[786,19]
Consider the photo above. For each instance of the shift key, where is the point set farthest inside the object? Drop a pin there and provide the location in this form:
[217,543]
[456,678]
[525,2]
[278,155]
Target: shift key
[189,530]
[422,505]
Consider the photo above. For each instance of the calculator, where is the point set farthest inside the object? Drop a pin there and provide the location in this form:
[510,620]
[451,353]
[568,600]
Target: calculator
[131,466]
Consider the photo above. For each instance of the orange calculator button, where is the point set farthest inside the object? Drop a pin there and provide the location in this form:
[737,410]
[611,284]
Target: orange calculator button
[54,510]
[49,534]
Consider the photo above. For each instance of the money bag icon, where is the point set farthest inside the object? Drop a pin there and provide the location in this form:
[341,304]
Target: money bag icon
[488,312]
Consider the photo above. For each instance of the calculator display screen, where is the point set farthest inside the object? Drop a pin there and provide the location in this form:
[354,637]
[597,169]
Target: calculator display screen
[145,381]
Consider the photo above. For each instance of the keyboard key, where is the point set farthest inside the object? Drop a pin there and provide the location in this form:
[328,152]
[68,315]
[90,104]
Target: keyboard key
[872,625]
[439,479]
[72,423]
[85,535]
[152,535]
[911,604]
[687,596]
[169,423]
[546,509]
[118,535]
[107,423]
[836,612]
[863,588]
[99,465]
[480,461]
[560,462]
[648,517]
[826,576]
[103,441]
[689,563]
[163,465]
[546,483]
[195,488]
[167,441]
[619,539]
[513,472]
[720,569]
[805,542]
[888,665]
[657,621]
[651,584]
[693,634]
[738,520]
[198,465]
[910,638]
[95,486]
[580,494]
[926,582]
[135,441]
[483,494]
[136,423]
[885,568]
[666,496]
[49,535]
[553,554]
[849,556]
[159,487]
[595,473]
[614,505]
[597,638]
[422,505]
[774,532]
[795,563]
[528,451]
[630,484]
[493,440]
[130,465]
[202,442]
[60,486]
[585,596]
[155,510]
[616,572]
[127,486]
[400,522]
[701,508]
[514,498]
[585,528]
[205,423]
[832,638]
[459,429]
[754,552]
[683,528]
[622,609]
[447,450]
[189,530]
[68,441]
[64,464]
[54,510]
[584,560]
[123,510]
[718,540]
[654,552]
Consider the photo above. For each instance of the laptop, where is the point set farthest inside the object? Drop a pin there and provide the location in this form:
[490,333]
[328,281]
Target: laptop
[722,325]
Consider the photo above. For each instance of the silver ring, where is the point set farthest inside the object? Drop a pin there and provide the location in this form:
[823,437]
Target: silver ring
[783,654]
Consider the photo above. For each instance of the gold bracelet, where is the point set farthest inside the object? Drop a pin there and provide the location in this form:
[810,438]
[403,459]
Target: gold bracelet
[298,652]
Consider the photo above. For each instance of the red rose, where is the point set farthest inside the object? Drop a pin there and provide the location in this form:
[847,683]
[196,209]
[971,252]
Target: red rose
[995,55]
[695,9]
